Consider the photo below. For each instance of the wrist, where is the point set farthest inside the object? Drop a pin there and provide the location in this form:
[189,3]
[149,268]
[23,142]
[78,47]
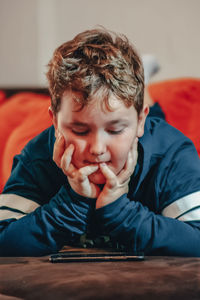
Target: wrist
[104,208]
[106,198]
[79,198]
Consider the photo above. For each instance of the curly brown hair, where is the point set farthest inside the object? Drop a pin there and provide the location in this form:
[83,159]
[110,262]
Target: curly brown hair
[97,60]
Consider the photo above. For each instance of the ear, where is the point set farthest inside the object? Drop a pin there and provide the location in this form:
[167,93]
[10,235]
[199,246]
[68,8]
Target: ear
[141,120]
[53,117]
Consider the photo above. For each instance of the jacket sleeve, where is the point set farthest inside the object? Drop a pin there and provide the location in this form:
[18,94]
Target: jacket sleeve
[133,225]
[48,228]
[173,226]
[32,225]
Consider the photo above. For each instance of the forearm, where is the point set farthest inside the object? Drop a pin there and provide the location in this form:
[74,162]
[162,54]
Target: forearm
[132,224]
[48,228]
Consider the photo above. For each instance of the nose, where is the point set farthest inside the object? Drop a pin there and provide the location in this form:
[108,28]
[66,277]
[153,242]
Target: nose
[98,145]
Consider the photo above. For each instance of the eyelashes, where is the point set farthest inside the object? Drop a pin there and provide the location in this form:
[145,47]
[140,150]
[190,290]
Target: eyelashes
[115,132]
[86,132]
[80,133]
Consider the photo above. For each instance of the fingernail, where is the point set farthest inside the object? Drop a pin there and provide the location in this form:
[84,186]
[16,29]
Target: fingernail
[103,164]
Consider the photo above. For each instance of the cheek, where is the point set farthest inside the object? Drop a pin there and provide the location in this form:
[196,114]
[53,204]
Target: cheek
[119,155]
[80,148]
[71,139]
[120,151]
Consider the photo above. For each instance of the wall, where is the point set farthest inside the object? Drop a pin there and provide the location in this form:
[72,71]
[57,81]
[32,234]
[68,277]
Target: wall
[31,29]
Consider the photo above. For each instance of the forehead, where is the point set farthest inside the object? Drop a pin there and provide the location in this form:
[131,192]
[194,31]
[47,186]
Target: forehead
[71,104]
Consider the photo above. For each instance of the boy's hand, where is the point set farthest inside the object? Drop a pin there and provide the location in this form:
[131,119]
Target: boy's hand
[78,178]
[117,185]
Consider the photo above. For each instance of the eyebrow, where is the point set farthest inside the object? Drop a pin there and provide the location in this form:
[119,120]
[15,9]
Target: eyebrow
[113,122]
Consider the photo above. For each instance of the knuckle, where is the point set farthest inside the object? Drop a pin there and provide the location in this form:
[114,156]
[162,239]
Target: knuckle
[71,175]
[80,175]
[112,183]
[129,173]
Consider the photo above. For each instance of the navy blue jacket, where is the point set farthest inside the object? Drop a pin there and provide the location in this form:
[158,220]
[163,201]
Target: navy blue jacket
[160,215]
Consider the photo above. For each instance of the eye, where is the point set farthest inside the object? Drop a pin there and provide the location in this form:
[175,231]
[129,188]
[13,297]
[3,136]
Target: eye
[80,133]
[115,131]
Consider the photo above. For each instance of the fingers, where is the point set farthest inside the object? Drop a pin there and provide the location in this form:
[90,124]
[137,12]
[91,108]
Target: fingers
[132,155]
[112,190]
[59,149]
[70,170]
[111,179]
[63,156]
[84,172]
[130,163]
[65,164]
[135,151]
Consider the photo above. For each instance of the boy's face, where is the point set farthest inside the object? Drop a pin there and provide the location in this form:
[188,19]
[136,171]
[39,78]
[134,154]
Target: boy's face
[98,135]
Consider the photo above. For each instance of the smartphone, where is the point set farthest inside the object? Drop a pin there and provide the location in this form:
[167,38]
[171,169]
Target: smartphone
[92,257]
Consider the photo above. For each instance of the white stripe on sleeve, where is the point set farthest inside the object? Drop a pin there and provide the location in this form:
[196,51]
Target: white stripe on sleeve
[11,202]
[188,205]
[193,215]
[8,214]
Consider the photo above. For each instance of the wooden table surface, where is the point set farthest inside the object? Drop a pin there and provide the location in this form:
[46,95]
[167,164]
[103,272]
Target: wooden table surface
[37,278]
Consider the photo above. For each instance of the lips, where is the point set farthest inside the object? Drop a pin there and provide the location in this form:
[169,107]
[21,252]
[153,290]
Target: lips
[95,162]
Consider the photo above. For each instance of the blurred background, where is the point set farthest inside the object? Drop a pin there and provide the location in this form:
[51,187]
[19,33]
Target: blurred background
[30,30]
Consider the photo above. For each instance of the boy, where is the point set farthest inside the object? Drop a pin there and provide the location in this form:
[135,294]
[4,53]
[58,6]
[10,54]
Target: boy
[105,174]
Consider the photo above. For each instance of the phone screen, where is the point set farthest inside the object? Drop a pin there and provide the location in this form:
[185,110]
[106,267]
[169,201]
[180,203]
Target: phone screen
[99,256]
